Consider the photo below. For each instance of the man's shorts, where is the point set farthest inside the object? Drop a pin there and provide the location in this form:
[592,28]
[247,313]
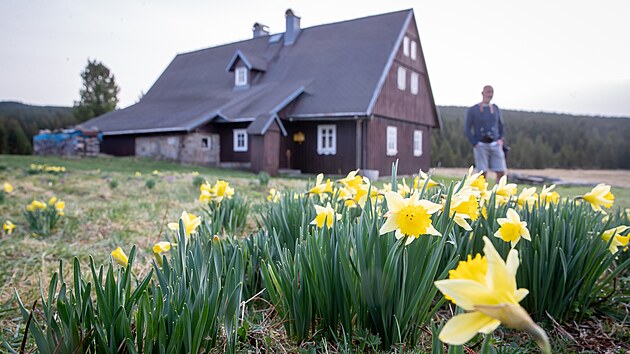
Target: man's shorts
[489,157]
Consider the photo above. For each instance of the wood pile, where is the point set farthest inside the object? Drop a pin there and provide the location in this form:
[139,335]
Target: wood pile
[67,142]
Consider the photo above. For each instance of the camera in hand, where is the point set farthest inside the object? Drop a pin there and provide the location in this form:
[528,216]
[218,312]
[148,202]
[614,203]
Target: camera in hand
[487,137]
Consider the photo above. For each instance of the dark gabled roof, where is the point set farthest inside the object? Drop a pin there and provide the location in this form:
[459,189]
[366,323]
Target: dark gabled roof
[340,66]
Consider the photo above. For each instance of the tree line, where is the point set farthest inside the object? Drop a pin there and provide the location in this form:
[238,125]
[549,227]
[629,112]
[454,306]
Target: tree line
[540,140]
[20,122]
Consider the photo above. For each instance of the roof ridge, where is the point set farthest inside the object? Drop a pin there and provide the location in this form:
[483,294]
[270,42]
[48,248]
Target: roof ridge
[265,38]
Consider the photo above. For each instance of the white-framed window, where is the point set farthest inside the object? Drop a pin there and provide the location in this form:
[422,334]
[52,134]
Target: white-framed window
[414,50]
[240,76]
[413,85]
[327,139]
[402,78]
[406,46]
[205,143]
[417,143]
[392,143]
[240,140]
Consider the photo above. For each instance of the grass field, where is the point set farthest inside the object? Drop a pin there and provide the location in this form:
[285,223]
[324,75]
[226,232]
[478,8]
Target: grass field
[109,205]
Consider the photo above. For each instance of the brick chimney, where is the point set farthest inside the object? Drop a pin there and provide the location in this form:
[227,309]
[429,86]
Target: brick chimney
[260,30]
[293,27]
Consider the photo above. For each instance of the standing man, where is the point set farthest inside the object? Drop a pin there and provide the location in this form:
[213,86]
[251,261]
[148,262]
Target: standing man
[484,129]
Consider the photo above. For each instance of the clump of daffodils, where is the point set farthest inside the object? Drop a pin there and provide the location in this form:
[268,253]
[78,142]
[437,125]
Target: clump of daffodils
[42,217]
[273,196]
[36,168]
[355,190]
[485,287]
[221,190]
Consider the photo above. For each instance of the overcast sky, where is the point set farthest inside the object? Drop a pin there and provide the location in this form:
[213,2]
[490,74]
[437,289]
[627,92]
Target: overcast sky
[551,55]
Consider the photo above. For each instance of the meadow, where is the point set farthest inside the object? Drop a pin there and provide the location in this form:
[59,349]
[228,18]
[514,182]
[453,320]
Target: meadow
[268,303]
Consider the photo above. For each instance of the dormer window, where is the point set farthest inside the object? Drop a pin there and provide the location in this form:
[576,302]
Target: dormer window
[240,76]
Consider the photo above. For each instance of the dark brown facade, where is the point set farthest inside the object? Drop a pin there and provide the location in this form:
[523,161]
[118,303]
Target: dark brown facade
[304,156]
[119,145]
[376,147]
[264,150]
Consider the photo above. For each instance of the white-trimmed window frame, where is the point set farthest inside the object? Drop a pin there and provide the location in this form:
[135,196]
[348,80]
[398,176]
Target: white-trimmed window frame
[417,143]
[208,143]
[406,46]
[392,140]
[402,78]
[240,76]
[413,50]
[413,83]
[237,146]
[327,139]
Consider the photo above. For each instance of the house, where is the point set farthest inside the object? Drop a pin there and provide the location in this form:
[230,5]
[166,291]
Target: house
[329,98]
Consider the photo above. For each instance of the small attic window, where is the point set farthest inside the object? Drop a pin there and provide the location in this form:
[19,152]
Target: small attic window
[240,76]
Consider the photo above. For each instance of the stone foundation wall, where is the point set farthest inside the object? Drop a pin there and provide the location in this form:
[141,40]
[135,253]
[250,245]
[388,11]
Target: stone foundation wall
[198,148]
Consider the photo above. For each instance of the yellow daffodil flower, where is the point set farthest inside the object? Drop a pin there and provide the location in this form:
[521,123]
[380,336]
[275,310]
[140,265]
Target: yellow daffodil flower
[155,173]
[191,222]
[52,201]
[472,269]
[464,206]
[320,188]
[325,214]
[469,207]
[599,197]
[8,188]
[409,217]
[548,195]
[60,206]
[504,190]
[512,228]
[528,197]
[351,180]
[490,296]
[422,179]
[138,174]
[222,190]
[618,239]
[161,247]
[120,257]
[8,226]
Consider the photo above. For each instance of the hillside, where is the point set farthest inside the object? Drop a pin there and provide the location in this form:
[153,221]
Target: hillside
[540,140]
[20,122]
